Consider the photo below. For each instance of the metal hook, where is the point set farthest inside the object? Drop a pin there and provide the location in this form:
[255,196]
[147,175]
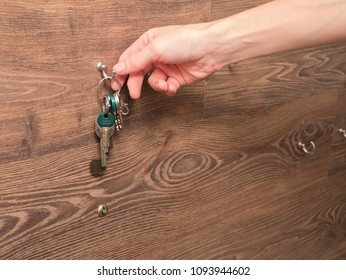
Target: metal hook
[102,68]
[342,131]
[125,105]
[302,146]
[108,79]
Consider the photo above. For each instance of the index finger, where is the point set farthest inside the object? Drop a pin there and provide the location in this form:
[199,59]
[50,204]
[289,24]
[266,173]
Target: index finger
[135,47]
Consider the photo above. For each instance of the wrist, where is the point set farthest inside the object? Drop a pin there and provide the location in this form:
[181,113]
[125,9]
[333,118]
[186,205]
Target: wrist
[227,42]
[275,27]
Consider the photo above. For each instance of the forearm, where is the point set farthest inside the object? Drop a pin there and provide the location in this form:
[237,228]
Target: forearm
[278,26]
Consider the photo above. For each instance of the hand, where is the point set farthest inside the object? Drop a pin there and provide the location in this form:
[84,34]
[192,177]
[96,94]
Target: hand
[174,55]
[181,55]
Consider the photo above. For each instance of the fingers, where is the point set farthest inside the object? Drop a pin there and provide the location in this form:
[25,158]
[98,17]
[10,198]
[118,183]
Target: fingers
[134,48]
[121,79]
[135,65]
[157,80]
[173,86]
[135,62]
[139,59]
[134,84]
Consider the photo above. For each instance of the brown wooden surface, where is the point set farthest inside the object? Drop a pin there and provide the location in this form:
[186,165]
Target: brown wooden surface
[212,173]
[337,161]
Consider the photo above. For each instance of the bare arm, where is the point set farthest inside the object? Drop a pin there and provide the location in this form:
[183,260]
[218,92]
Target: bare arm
[181,55]
[280,26]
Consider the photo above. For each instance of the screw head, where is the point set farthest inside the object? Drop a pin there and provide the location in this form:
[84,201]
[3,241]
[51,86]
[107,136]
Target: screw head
[102,210]
[100,66]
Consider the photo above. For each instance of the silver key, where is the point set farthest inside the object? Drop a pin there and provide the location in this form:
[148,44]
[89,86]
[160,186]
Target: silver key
[116,104]
[104,128]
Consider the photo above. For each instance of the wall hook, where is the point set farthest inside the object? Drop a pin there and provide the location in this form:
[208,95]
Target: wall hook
[303,146]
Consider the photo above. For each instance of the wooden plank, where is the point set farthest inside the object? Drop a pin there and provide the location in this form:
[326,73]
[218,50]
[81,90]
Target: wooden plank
[260,84]
[224,8]
[67,38]
[207,174]
[337,160]
[48,107]
[48,75]
[199,191]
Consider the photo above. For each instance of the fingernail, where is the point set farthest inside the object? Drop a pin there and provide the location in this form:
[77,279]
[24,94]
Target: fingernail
[119,67]
[114,85]
[171,88]
[162,85]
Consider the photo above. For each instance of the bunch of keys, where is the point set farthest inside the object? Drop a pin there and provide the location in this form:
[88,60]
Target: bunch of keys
[110,119]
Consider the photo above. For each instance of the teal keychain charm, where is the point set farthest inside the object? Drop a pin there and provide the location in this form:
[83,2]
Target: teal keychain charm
[113,104]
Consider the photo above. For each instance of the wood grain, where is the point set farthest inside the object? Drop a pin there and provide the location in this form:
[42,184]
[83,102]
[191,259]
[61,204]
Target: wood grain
[337,160]
[276,80]
[212,173]
[223,8]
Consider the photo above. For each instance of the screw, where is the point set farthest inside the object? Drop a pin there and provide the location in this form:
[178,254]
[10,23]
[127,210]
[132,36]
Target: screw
[100,66]
[102,210]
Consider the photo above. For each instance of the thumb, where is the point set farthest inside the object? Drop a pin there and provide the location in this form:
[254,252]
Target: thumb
[135,62]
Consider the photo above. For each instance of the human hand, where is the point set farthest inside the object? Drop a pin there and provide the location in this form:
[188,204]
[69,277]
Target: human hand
[181,55]
[174,55]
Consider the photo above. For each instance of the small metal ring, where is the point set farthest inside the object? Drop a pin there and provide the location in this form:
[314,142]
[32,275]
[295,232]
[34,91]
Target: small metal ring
[127,109]
[108,78]
[118,82]
[120,104]
[301,145]
[343,132]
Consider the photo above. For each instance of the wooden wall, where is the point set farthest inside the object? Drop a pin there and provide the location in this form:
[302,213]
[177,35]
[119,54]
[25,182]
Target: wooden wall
[212,173]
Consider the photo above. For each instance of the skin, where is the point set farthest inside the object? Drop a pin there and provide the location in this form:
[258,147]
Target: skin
[180,55]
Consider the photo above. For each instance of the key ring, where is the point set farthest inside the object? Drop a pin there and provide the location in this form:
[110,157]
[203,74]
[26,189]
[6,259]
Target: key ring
[102,68]
[108,78]
[121,104]
[125,106]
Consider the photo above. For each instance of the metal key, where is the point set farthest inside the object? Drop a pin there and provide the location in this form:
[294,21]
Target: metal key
[115,103]
[113,100]
[104,128]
